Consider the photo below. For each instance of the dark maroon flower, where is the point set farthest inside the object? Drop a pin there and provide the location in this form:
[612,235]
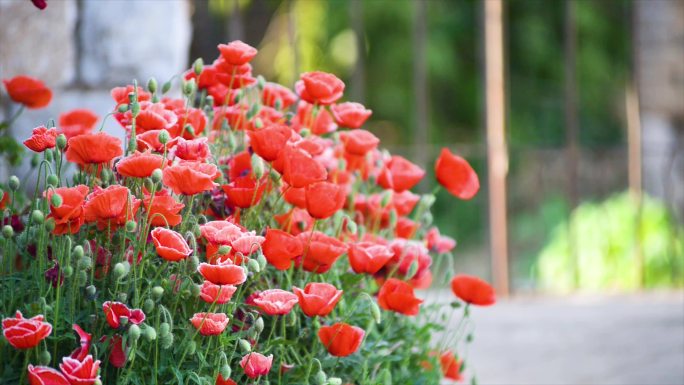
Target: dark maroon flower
[40,4]
[54,276]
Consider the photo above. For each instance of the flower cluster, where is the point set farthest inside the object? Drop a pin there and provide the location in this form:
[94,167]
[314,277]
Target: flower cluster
[240,232]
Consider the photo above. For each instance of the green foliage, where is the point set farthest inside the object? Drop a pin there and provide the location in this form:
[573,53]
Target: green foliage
[608,236]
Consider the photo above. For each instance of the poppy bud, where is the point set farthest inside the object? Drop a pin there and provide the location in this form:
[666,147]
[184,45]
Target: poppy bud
[334,381]
[82,278]
[148,183]
[195,290]
[119,270]
[44,357]
[320,378]
[122,108]
[97,382]
[61,141]
[317,367]
[134,332]
[157,175]
[226,371]
[393,218]
[14,183]
[78,251]
[50,224]
[262,260]
[91,291]
[123,320]
[198,66]
[166,87]
[253,111]
[148,305]
[232,143]
[163,137]
[305,132]
[122,297]
[413,269]
[258,123]
[34,160]
[130,226]
[152,85]
[67,271]
[166,341]
[210,100]
[224,250]
[157,292]
[386,198]
[351,226]
[85,262]
[150,334]
[188,87]
[164,329]
[261,82]
[375,312]
[244,345]
[48,155]
[7,231]
[257,166]
[56,200]
[238,96]
[135,109]
[259,325]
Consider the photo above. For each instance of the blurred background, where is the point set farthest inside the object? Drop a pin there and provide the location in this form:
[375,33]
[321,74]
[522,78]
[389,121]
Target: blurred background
[571,111]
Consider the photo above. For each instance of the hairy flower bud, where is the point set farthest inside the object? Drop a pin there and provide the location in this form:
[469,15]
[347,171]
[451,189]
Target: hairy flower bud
[253,266]
[122,297]
[67,271]
[152,85]
[14,183]
[157,292]
[320,378]
[164,329]
[191,348]
[198,66]
[334,381]
[163,137]
[122,108]
[166,341]
[135,109]
[166,87]
[35,160]
[244,345]
[225,371]
[150,334]
[85,262]
[134,333]
[7,231]
[50,224]
[257,166]
[91,291]
[130,226]
[157,175]
[119,270]
[44,357]
[61,141]
[189,87]
[148,305]
[259,325]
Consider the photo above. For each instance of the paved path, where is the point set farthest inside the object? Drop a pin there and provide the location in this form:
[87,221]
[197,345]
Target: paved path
[608,340]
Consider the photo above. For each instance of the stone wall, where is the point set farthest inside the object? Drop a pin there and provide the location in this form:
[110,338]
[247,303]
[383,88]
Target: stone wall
[83,48]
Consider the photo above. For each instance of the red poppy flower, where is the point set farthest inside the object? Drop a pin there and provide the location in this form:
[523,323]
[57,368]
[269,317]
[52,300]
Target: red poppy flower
[40,4]
[404,202]
[226,273]
[294,196]
[275,93]
[149,140]
[300,169]
[256,364]
[320,251]
[77,122]
[221,232]
[399,174]
[110,206]
[195,149]
[28,91]
[439,243]
[139,165]
[320,88]
[406,253]
[224,381]
[321,124]
[117,351]
[25,333]
[406,228]
[473,290]
[323,199]
[318,299]
[450,365]
[359,142]
[237,53]
[247,243]
[341,339]
[96,148]
[152,116]
[115,310]
[43,375]
[85,338]
[368,257]
[210,324]
[275,301]
[41,139]
[190,178]
[398,296]
[295,221]
[350,114]
[219,294]
[69,216]
[280,248]
[270,140]
[163,209]
[244,191]
[170,245]
[120,94]
[456,175]
[80,372]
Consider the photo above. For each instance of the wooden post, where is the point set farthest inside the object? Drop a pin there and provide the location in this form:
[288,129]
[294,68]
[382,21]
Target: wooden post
[571,132]
[497,154]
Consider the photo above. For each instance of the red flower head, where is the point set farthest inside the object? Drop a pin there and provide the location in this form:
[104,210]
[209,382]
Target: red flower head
[407,252]
[300,169]
[163,209]
[294,196]
[195,149]
[110,205]
[450,365]
[117,351]
[25,333]
[120,94]
[341,339]
[220,294]
[318,299]
[398,296]
[170,245]
[224,381]
[320,88]
[275,301]
[28,91]
[456,175]
[270,140]
[359,142]
[399,174]
[295,221]
[406,227]
[473,290]
[323,199]
[323,123]
[149,140]
[80,372]
[244,191]
[139,165]
[256,364]
[274,93]
[226,273]
[152,116]
[115,310]
[320,251]
[280,248]
[350,115]
[221,232]
[85,338]
[69,216]
[237,53]
[40,4]
[41,139]
[190,178]
[439,243]
[210,324]
[368,257]
[43,375]
[96,148]
[77,122]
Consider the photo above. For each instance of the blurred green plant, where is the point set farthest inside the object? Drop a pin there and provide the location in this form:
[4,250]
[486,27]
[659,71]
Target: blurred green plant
[608,237]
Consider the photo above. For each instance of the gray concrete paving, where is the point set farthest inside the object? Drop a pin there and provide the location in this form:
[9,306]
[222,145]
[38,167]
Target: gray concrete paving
[600,340]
